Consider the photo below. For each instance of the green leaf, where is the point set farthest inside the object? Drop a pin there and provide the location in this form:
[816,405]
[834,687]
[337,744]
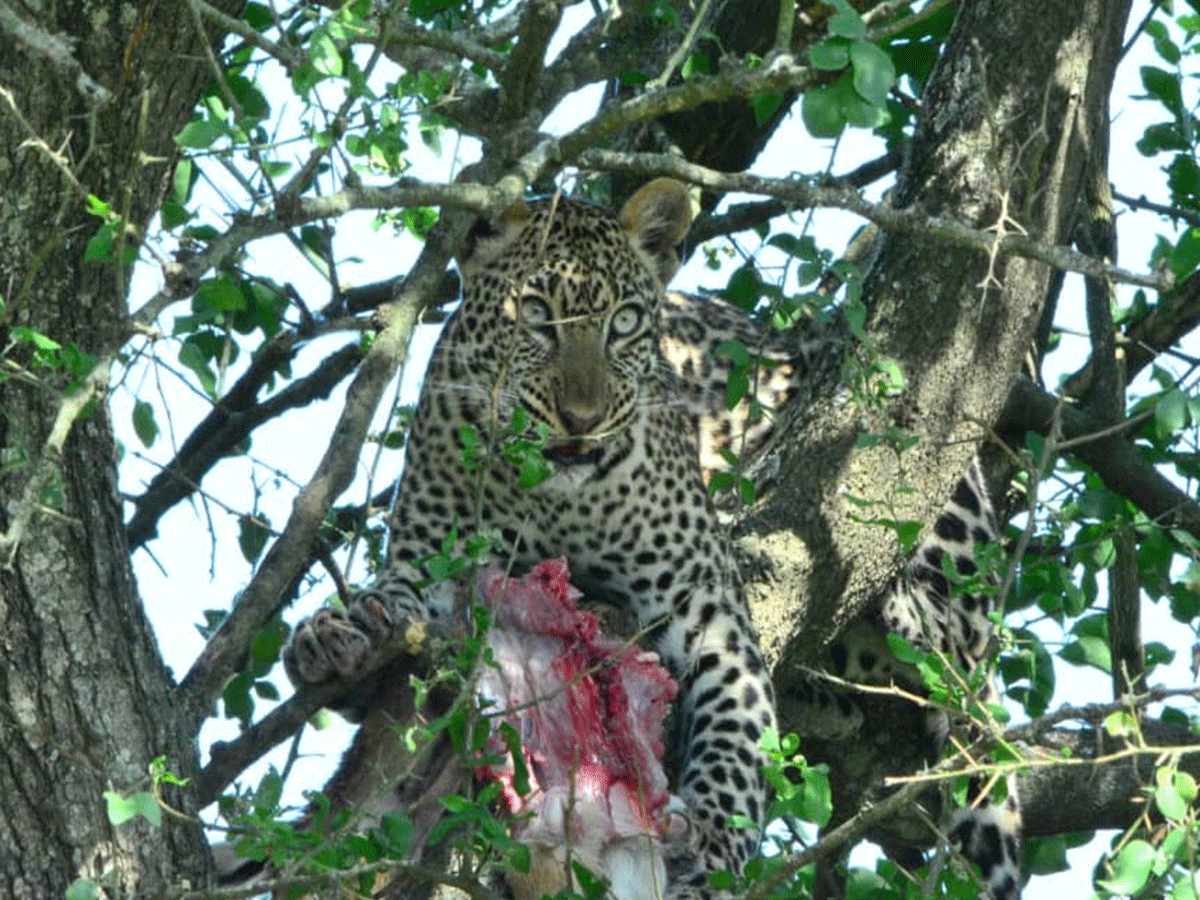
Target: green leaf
[1169,803]
[1089,651]
[252,101]
[1158,654]
[1183,889]
[1044,856]
[144,425]
[83,889]
[201,134]
[874,74]
[591,884]
[1131,868]
[252,537]
[193,357]
[846,22]
[512,740]
[817,804]
[100,246]
[98,207]
[1185,784]
[1171,845]
[236,696]
[28,335]
[822,113]
[1163,44]
[1164,87]
[854,107]
[397,830]
[266,644]
[534,470]
[173,214]
[697,63]
[266,690]
[862,884]
[1171,412]
[747,492]
[1185,257]
[325,56]
[903,650]
[219,294]
[1183,178]
[1120,724]
[1162,136]
[831,55]
[122,809]
[181,181]
[745,287]
[267,794]
[765,106]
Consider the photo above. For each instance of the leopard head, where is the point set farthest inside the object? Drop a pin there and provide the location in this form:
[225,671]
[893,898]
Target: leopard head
[562,300]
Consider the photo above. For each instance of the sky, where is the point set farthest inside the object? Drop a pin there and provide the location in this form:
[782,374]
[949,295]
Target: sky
[189,570]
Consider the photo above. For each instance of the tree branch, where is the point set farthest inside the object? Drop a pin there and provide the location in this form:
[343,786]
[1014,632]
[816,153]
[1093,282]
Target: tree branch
[285,54]
[741,216]
[403,32]
[521,78]
[908,220]
[1162,326]
[1118,462]
[409,655]
[1097,237]
[286,556]
[1174,212]
[229,423]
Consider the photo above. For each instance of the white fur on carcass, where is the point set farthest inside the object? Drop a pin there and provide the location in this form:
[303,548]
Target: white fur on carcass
[589,711]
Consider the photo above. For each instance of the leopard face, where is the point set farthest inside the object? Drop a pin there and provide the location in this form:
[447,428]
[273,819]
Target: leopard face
[561,318]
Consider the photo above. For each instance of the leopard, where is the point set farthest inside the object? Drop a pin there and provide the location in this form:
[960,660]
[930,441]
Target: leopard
[566,324]
[565,327]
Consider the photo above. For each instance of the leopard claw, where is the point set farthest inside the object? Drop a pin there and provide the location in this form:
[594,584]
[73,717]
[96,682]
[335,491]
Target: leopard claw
[369,612]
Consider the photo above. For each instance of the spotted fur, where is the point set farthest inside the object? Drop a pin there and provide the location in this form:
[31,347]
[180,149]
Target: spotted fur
[933,607]
[563,317]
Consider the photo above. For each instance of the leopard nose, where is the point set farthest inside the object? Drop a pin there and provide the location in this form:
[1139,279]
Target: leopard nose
[580,422]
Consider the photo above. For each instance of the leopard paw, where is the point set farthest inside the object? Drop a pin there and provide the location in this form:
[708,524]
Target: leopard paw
[326,646]
[336,644]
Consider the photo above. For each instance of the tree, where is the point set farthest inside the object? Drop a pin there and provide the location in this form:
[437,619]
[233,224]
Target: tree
[112,118]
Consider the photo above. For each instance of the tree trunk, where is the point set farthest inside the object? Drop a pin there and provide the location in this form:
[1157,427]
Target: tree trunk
[1017,102]
[85,700]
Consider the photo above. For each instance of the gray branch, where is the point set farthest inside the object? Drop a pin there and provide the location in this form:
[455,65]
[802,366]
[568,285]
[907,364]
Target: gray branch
[909,220]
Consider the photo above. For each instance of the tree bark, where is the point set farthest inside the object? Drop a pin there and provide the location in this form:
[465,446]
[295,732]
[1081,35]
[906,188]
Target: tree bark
[95,96]
[1013,108]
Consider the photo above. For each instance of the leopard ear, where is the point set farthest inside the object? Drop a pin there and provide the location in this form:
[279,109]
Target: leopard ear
[488,238]
[657,217]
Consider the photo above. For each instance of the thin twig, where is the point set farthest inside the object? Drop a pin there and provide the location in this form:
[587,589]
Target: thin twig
[689,40]
[285,54]
[1174,212]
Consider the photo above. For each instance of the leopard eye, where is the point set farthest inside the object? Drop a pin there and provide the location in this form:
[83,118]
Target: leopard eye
[535,311]
[625,321]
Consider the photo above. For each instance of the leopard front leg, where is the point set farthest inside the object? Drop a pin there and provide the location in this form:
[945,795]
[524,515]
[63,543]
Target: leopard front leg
[727,704]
